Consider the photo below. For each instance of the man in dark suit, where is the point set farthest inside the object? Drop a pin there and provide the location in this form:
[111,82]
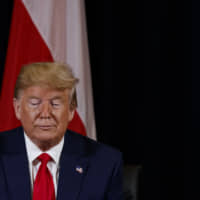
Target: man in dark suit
[44,160]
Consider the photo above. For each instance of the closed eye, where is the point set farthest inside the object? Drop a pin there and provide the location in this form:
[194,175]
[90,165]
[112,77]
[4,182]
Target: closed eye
[34,102]
[56,102]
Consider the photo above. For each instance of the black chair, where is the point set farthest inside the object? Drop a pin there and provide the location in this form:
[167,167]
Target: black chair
[132,182]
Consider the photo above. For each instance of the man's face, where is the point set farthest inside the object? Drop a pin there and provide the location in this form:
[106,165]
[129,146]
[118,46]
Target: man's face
[44,114]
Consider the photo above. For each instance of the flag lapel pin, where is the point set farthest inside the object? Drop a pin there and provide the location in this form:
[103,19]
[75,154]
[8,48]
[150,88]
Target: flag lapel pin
[79,169]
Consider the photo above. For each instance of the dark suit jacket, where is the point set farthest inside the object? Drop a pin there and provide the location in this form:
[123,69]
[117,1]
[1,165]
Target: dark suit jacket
[101,177]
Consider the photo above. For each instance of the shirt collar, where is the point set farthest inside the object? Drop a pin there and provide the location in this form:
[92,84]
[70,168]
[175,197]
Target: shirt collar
[33,151]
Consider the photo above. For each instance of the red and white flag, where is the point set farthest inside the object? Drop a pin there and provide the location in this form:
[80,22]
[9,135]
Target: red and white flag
[49,30]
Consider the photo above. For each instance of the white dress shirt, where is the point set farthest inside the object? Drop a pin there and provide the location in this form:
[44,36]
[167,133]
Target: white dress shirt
[33,152]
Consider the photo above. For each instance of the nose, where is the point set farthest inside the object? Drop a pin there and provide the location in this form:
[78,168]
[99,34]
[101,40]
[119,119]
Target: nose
[45,111]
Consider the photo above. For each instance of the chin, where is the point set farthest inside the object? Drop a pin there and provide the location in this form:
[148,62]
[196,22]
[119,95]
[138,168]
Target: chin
[45,143]
[46,136]
[42,135]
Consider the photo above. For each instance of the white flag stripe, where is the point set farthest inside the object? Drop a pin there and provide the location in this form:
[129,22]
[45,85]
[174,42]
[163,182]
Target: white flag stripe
[62,25]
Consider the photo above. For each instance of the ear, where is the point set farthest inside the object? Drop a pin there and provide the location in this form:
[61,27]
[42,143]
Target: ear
[71,114]
[17,108]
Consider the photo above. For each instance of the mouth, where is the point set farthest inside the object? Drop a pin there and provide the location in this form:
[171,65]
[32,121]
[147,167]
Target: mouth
[46,127]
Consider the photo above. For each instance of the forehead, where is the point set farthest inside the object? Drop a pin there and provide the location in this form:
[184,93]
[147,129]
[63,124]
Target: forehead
[44,92]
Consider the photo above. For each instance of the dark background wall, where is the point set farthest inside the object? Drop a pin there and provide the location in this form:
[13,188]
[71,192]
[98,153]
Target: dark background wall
[116,42]
[195,67]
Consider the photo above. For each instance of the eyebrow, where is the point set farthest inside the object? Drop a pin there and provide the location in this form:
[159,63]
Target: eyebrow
[33,97]
[51,99]
[56,97]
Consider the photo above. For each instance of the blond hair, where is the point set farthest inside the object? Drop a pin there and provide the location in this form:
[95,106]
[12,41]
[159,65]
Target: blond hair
[54,75]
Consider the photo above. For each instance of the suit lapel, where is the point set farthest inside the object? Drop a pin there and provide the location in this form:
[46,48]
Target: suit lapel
[71,175]
[73,169]
[15,165]
[17,176]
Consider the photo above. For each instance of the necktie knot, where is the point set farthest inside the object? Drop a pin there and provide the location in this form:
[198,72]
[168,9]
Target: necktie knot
[44,158]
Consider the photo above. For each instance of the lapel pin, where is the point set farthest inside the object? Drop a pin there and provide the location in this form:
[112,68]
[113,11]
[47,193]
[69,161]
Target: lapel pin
[79,169]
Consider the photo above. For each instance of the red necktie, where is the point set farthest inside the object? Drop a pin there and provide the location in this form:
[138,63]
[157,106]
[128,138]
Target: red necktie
[43,186]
